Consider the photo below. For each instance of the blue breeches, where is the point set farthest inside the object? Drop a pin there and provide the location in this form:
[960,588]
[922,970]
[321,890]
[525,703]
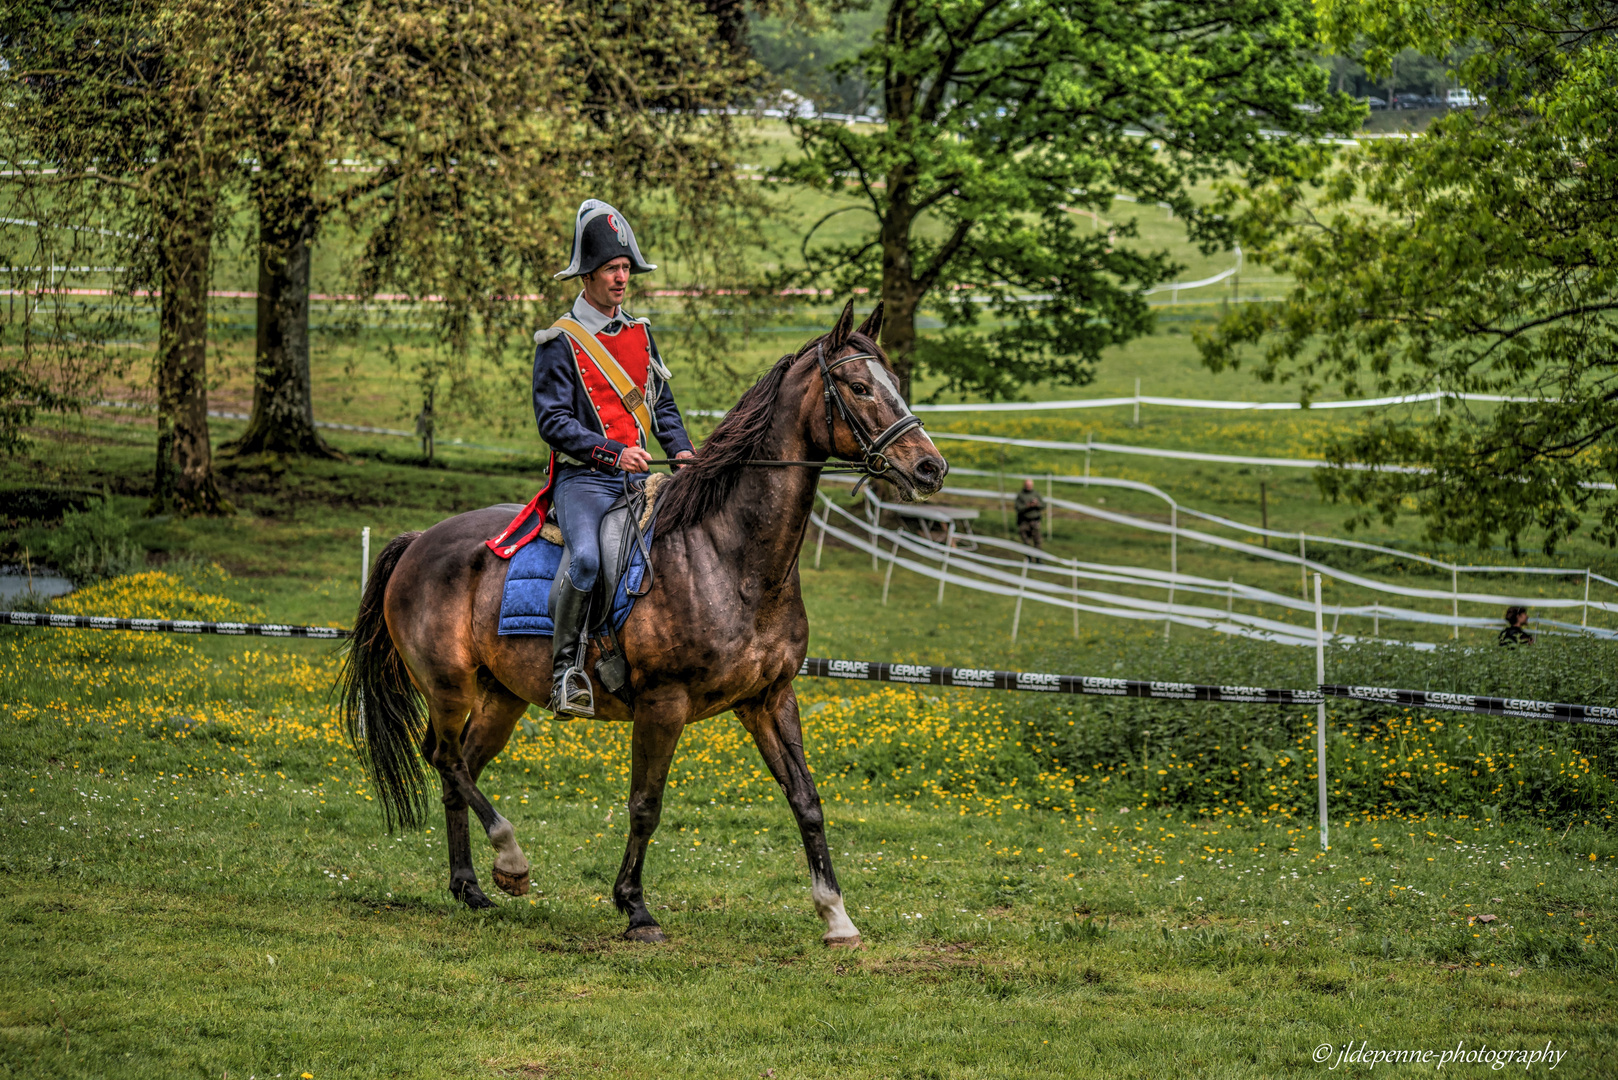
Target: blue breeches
[581,500]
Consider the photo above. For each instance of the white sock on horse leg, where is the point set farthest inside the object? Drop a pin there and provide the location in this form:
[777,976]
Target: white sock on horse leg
[509,858]
[829,903]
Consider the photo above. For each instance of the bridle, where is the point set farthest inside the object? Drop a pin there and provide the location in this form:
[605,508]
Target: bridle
[873,462]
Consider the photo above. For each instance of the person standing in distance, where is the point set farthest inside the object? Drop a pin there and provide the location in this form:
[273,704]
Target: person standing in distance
[601,393]
[1514,634]
[1030,513]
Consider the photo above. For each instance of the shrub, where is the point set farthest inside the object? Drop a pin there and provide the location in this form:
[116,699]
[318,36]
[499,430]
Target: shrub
[94,543]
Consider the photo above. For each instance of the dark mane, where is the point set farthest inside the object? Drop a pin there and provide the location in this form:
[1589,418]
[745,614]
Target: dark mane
[697,491]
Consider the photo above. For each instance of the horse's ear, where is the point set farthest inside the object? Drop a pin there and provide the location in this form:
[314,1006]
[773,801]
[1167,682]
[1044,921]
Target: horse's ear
[872,326]
[845,326]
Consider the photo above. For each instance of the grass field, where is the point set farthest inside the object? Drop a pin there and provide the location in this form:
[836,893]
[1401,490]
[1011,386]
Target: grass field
[196,880]
[197,883]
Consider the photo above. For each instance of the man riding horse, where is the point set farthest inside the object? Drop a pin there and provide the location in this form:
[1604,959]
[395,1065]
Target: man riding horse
[600,390]
[724,629]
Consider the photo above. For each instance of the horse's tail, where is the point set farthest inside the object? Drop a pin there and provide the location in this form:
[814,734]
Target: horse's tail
[381,709]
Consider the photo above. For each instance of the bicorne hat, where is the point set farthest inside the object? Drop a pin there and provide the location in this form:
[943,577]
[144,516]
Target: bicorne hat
[600,234]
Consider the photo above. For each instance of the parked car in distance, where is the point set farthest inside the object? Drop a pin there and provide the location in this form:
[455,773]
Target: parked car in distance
[1375,102]
[1461,99]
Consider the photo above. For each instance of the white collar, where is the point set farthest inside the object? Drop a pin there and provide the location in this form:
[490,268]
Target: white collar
[587,316]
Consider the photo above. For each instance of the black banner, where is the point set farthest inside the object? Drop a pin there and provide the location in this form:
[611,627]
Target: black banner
[168,626]
[970,678]
[1041,682]
[1476,703]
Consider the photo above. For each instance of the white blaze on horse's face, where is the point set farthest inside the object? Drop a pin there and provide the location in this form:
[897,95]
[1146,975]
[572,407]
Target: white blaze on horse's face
[884,379]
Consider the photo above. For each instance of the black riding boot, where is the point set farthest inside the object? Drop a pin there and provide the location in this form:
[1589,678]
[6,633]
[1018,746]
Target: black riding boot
[570,683]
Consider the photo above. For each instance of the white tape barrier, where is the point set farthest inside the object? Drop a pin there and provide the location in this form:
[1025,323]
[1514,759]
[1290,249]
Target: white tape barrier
[1165,579]
[1198,403]
[886,542]
[1493,599]
[1200,618]
[1309,538]
[1195,455]
[1073,570]
[1264,552]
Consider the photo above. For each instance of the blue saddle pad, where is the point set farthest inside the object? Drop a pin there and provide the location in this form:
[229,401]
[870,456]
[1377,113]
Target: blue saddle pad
[525,608]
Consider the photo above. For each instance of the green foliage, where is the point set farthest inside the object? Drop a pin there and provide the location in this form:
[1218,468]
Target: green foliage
[1001,120]
[1478,258]
[21,399]
[818,59]
[1229,759]
[94,543]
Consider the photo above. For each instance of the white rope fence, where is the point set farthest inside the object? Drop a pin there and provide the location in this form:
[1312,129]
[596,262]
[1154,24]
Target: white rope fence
[1018,575]
[1175,531]
[1092,447]
[1138,399]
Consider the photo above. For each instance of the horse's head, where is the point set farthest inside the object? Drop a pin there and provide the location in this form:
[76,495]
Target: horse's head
[859,414]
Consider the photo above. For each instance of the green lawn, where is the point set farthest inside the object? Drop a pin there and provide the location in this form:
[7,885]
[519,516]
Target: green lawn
[197,881]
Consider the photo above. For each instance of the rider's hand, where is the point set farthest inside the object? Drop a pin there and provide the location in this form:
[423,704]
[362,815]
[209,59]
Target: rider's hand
[684,455]
[634,459]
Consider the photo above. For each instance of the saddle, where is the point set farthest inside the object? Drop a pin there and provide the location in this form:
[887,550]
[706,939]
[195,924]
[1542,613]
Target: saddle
[626,575]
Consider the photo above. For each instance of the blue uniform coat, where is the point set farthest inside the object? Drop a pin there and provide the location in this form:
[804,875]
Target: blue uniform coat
[568,423]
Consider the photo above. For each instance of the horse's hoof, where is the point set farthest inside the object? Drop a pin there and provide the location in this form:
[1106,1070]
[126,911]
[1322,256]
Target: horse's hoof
[510,884]
[469,894]
[651,935]
[844,942]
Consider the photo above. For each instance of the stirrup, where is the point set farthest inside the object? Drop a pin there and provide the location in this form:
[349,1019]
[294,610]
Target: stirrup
[571,695]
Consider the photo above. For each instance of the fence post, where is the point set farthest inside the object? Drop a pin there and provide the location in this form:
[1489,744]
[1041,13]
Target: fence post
[887,579]
[1303,568]
[943,570]
[1455,601]
[1264,511]
[821,543]
[365,557]
[1050,511]
[1089,441]
[1016,617]
[1000,477]
[1585,621]
[1075,601]
[1137,402]
[1320,717]
[1230,595]
[1174,562]
[873,515]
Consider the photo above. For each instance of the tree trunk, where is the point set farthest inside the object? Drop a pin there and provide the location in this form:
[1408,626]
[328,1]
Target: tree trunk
[283,417]
[900,301]
[901,91]
[184,481]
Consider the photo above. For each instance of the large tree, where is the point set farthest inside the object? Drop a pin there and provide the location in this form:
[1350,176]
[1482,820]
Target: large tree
[113,108]
[1477,258]
[1003,117]
[473,132]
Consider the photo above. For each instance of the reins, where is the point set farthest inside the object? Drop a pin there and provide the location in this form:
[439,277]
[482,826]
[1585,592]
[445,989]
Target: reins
[872,464]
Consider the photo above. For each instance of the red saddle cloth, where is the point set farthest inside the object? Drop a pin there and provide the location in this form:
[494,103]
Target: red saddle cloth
[529,520]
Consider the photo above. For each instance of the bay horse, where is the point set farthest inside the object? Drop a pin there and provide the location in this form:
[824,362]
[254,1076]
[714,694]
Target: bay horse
[722,628]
